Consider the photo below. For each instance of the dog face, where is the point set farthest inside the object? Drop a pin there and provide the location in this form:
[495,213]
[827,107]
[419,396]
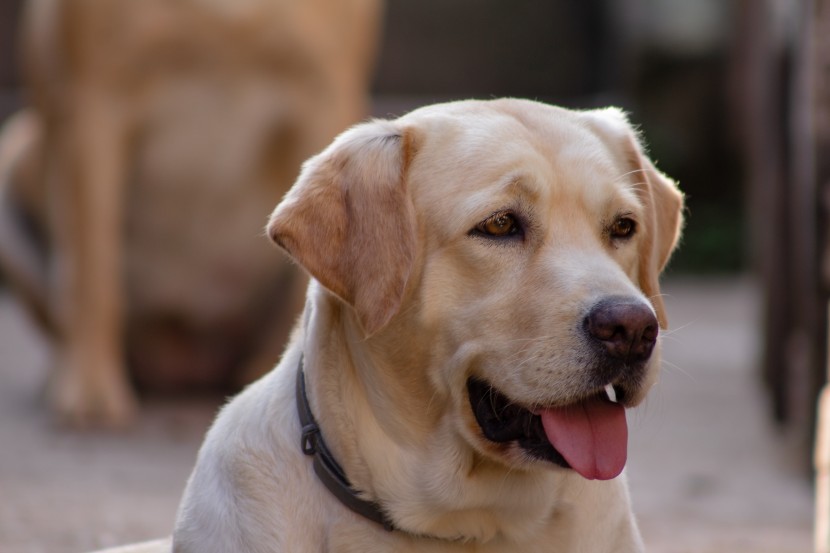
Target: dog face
[505,253]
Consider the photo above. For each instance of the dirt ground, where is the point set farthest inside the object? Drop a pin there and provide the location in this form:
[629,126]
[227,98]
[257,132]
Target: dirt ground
[707,472]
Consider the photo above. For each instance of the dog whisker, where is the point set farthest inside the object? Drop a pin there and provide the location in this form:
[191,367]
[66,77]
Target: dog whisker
[670,332]
[675,368]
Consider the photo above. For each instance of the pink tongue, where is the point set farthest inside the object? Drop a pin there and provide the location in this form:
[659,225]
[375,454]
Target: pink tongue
[592,436]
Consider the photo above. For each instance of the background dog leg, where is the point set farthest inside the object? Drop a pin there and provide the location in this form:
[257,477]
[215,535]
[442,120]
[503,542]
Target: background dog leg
[87,185]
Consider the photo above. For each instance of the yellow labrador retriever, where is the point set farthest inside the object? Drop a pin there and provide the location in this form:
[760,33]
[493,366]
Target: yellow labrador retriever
[484,307]
[161,133]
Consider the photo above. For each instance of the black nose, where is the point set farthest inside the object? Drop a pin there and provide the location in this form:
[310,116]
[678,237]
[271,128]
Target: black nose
[625,327]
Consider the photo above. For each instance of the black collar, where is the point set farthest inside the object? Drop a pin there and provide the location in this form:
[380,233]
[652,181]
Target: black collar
[328,470]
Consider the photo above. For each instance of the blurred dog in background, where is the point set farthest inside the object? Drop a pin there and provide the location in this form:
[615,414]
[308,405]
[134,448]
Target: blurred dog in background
[134,190]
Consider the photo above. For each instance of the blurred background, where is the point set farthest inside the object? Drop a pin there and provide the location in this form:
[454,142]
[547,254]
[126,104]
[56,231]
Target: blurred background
[733,100]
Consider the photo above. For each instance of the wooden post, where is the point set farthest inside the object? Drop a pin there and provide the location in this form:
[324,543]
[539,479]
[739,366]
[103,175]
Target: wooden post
[818,17]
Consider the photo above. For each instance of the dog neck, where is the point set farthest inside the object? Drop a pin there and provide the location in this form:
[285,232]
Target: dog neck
[328,470]
[349,482]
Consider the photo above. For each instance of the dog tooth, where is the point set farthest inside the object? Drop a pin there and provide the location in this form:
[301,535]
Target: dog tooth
[611,392]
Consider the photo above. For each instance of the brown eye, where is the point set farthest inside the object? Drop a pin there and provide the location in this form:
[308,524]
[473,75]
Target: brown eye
[623,228]
[499,224]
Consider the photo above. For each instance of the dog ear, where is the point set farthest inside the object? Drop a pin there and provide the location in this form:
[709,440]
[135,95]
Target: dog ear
[664,206]
[349,221]
[661,198]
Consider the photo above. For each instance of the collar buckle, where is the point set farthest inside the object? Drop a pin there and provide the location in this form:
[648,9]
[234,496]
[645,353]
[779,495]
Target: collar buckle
[309,437]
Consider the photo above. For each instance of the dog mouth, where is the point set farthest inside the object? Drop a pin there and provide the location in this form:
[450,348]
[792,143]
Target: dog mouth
[589,436]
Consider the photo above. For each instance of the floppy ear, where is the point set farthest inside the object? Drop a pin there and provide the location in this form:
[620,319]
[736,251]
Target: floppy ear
[661,198]
[349,221]
[664,206]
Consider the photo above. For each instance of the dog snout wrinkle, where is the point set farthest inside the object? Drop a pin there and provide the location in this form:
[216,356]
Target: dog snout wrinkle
[626,328]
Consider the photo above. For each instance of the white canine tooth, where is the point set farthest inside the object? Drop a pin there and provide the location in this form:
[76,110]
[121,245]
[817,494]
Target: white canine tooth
[612,394]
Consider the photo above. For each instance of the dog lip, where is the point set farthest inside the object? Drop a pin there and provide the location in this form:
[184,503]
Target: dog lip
[503,421]
[612,392]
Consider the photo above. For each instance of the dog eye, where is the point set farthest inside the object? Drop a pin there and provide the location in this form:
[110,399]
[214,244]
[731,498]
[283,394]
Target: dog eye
[623,227]
[499,225]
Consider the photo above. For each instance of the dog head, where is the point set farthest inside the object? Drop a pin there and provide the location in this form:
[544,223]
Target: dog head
[508,253]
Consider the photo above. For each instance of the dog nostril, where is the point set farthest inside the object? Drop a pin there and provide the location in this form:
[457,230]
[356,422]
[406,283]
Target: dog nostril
[626,327]
[651,331]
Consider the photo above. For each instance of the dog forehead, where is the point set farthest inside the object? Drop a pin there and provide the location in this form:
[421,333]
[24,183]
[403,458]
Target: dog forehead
[471,157]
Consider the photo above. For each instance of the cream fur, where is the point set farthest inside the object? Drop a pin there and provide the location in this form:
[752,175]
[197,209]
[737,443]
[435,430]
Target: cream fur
[387,355]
